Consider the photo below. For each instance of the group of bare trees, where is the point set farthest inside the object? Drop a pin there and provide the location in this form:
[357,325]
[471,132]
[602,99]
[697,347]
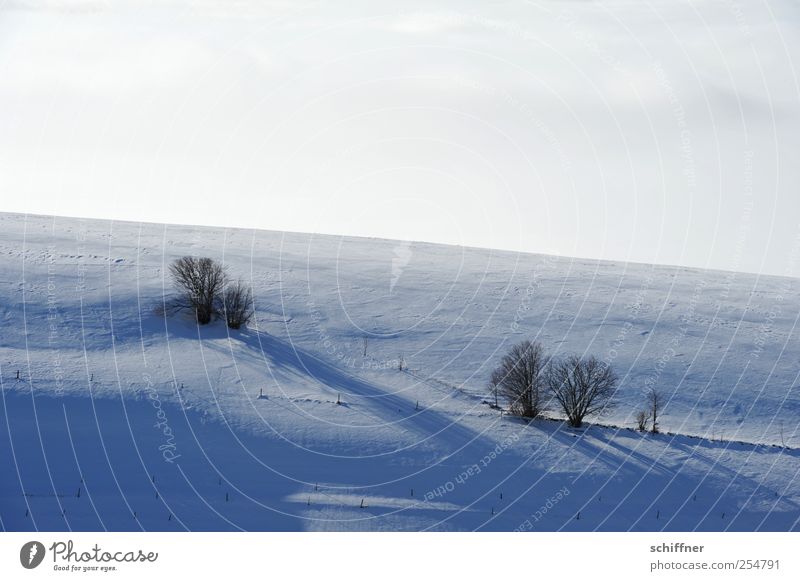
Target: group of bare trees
[531,382]
[205,289]
[649,415]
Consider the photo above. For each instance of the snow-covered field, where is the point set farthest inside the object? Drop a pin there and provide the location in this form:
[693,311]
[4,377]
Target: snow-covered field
[123,420]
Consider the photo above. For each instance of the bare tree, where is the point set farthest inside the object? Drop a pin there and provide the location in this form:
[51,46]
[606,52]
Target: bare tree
[495,391]
[581,386]
[519,379]
[237,304]
[655,401]
[200,282]
[641,420]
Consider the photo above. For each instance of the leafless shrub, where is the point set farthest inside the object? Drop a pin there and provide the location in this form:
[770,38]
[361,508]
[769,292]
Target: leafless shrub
[581,386]
[200,282]
[642,418]
[237,304]
[495,391]
[519,379]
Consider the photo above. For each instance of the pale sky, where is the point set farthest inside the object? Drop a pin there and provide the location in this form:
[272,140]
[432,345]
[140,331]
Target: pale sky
[665,131]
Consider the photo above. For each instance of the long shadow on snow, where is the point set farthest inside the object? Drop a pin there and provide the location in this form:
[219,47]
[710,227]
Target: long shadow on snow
[390,408]
[674,492]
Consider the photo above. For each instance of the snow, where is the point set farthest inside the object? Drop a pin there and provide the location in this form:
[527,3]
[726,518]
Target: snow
[159,418]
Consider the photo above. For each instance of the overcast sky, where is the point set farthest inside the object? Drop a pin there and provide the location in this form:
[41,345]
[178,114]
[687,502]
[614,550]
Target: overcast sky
[664,131]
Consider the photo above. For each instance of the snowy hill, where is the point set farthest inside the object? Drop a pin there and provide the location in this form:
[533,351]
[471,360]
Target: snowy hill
[122,419]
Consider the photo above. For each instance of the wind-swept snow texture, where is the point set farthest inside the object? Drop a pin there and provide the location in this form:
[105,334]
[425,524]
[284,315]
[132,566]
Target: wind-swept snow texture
[124,420]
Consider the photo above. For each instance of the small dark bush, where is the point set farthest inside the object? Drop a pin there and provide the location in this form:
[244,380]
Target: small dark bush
[237,304]
[199,282]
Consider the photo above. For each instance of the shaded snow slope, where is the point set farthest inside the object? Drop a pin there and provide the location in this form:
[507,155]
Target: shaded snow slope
[78,303]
